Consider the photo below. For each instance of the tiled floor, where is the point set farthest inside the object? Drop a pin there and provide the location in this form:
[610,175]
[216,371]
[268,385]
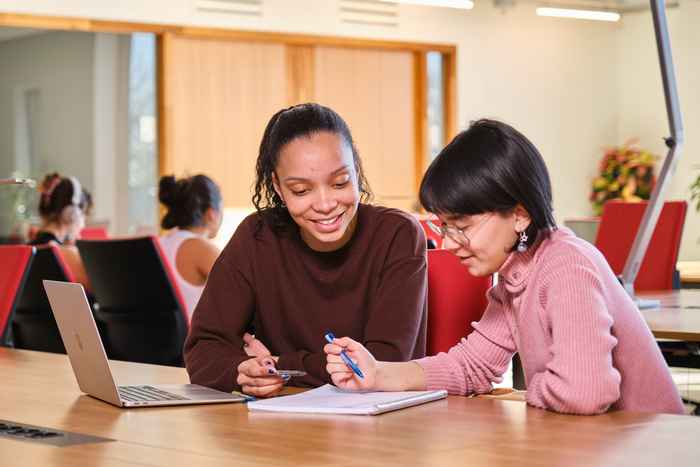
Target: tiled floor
[688,382]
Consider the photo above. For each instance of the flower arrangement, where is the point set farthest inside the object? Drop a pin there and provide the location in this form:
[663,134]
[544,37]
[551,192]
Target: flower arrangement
[626,173]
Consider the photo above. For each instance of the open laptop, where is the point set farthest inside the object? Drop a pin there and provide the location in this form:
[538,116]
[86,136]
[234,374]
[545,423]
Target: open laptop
[90,365]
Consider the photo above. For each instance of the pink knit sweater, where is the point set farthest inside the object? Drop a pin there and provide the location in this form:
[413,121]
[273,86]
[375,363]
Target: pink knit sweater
[583,344]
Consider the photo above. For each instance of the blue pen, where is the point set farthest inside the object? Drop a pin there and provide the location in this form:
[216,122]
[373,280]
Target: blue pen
[348,361]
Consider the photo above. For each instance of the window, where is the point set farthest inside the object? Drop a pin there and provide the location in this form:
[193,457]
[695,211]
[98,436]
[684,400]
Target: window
[143,142]
[436,107]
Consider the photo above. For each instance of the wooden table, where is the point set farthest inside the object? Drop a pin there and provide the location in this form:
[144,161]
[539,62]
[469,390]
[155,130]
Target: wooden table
[40,389]
[678,317]
[690,273]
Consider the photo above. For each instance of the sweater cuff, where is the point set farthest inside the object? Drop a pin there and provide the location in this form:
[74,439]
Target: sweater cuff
[219,372]
[440,374]
[233,374]
[290,361]
[534,394]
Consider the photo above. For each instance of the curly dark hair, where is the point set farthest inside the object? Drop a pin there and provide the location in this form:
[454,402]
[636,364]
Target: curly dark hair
[285,126]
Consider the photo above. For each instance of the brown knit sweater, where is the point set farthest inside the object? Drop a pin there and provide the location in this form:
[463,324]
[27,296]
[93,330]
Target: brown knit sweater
[373,290]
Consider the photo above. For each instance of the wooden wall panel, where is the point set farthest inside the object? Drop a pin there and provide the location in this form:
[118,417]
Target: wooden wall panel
[420,115]
[300,74]
[218,95]
[373,91]
[449,74]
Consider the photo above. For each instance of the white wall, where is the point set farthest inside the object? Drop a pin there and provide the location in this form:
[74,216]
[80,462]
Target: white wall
[642,110]
[551,78]
[60,66]
[110,126]
[82,80]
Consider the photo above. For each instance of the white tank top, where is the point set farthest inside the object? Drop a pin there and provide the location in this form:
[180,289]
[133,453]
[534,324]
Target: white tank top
[171,244]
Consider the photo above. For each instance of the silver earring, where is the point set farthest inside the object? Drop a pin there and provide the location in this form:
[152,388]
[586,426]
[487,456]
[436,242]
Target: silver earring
[522,243]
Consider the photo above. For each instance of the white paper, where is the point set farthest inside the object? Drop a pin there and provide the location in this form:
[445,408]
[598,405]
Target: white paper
[329,399]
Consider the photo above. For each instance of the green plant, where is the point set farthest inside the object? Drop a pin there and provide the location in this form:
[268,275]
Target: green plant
[626,173]
[695,193]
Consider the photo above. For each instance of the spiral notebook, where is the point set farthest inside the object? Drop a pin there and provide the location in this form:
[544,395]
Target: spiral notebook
[331,400]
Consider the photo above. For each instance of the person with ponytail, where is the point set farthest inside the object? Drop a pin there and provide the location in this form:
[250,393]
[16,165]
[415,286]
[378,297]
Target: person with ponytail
[315,257]
[63,205]
[193,218]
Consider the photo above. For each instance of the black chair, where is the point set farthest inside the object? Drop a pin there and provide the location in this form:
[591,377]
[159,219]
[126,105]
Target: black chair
[33,325]
[140,313]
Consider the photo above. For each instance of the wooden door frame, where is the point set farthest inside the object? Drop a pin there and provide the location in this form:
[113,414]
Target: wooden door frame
[164,31]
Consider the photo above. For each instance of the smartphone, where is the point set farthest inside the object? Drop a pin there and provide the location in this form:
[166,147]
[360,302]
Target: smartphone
[290,373]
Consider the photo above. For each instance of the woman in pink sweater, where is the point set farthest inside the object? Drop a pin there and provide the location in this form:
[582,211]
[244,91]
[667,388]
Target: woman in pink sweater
[584,346]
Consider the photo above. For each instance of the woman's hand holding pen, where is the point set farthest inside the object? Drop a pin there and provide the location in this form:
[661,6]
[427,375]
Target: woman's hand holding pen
[342,375]
[258,377]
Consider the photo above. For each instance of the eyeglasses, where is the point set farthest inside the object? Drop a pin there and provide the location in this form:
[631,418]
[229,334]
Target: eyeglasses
[458,236]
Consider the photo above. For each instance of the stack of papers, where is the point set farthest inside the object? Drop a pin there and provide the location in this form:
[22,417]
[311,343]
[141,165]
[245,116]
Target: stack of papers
[331,400]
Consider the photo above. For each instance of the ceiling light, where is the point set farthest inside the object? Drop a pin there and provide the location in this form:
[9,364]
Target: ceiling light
[579,14]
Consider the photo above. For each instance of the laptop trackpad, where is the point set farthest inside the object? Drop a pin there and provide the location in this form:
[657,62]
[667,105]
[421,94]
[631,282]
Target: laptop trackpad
[197,392]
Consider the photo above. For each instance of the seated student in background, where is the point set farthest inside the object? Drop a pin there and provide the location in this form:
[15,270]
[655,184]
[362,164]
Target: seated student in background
[63,205]
[583,344]
[194,215]
[314,258]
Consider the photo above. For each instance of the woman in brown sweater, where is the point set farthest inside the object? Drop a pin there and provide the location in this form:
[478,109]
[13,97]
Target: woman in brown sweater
[314,258]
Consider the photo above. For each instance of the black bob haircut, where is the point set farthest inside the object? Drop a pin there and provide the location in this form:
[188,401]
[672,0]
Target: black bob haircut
[490,167]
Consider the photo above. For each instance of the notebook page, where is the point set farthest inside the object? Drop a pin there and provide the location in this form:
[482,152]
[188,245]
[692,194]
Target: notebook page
[329,399]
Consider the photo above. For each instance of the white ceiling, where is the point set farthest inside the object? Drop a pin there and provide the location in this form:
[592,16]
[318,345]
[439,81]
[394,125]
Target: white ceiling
[617,5]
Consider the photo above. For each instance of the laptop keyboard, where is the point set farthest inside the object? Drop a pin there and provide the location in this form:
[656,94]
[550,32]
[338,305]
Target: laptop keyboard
[147,394]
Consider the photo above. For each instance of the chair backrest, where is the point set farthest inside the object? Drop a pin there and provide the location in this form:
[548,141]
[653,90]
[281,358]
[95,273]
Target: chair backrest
[430,234]
[455,300]
[94,233]
[141,313]
[14,266]
[33,324]
[618,227]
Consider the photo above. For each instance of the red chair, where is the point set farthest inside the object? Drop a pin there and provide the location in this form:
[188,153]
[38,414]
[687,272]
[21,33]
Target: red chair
[94,233]
[455,300]
[14,266]
[618,227]
[430,234]
[33,324]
